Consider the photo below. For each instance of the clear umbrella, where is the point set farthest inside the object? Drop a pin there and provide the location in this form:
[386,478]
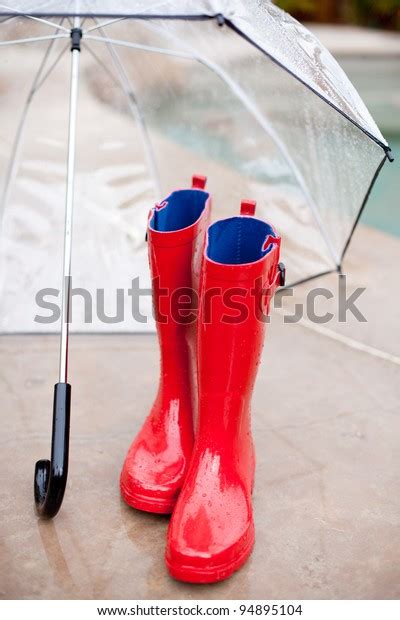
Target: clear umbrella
[238,90]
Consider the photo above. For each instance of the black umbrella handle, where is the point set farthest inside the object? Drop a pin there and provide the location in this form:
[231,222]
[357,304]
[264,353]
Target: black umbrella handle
[51,476]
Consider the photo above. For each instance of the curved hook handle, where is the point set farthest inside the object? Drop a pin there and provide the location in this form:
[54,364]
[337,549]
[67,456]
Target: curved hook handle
[51,476]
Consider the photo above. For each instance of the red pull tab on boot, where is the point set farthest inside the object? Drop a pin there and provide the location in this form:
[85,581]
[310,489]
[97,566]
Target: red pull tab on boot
[248,207]
[198,181]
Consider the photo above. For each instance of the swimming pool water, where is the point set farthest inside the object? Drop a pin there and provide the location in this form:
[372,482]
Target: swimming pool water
[377,79]
[383,207]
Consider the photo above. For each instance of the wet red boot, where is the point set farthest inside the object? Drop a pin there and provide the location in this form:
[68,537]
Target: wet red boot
[211,532]
[156,464]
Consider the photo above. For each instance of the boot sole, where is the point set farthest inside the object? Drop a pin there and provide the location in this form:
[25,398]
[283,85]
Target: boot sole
[193,574]
[147,503]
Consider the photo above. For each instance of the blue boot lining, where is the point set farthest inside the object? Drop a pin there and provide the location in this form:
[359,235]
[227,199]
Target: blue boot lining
[238,240]
[182,209]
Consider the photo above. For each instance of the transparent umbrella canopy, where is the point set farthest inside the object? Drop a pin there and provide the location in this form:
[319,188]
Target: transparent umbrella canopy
[108,105]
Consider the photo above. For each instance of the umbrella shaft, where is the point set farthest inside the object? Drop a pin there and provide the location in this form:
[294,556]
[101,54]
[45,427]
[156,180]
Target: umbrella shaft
[66,285]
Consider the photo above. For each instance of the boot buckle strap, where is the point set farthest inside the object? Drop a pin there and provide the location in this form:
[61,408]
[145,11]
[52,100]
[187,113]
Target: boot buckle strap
[281,276]
[270,288]
[279,279]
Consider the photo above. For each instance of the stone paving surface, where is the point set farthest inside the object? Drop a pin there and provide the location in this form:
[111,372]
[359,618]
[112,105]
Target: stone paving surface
[326,425]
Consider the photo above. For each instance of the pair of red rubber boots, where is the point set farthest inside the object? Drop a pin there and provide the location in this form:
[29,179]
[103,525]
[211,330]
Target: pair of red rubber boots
[194,455]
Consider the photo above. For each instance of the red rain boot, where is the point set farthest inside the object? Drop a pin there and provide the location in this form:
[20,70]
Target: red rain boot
[211,533]
[157,461]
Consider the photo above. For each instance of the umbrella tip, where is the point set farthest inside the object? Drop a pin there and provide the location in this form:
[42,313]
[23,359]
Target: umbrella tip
[389,154]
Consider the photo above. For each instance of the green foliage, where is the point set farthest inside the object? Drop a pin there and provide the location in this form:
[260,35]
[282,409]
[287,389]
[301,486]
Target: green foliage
[375,13]
[382,7]
[305,8]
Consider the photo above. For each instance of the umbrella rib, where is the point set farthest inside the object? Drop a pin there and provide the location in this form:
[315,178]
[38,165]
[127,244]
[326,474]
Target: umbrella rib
[45,21]
[102,25]
[101,63]
[253,110]
[136,111]
[36,84]
[52,66]
[36,19]
[7,19]
[145,48]
[36,39]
